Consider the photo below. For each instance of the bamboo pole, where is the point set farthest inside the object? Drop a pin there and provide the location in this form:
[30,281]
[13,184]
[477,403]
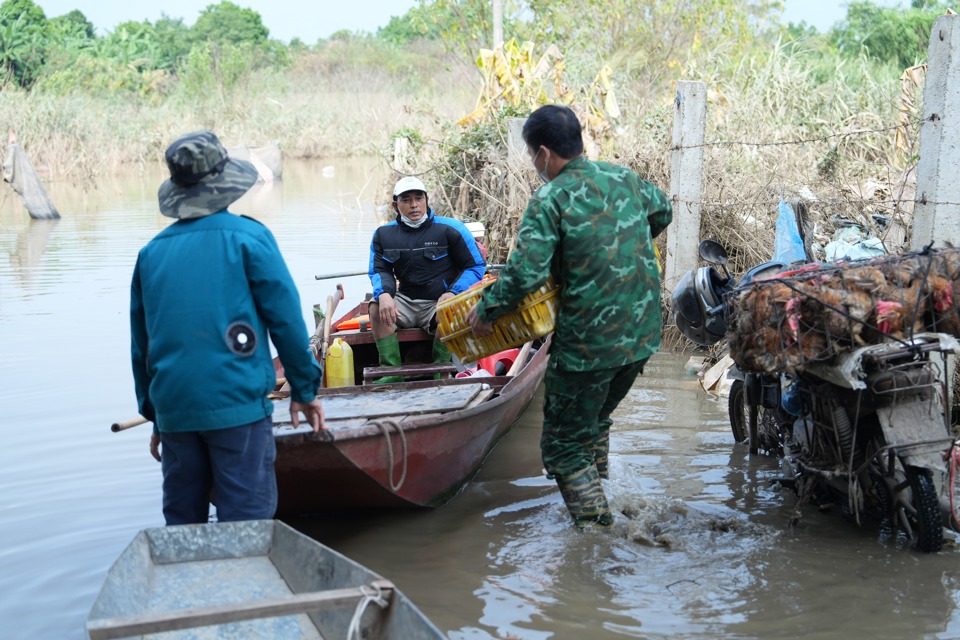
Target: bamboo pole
[127,424]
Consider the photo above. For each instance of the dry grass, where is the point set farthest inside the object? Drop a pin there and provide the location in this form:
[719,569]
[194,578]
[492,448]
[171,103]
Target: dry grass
[324,105]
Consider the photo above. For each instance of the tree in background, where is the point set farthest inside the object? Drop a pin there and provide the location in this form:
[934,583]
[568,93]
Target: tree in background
[405,29]
[652,36]
[227,23]
[900,36]
[74,23]
[23,32]
[465,26]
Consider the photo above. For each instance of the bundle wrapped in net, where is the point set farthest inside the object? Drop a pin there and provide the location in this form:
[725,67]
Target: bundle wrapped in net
[817,312]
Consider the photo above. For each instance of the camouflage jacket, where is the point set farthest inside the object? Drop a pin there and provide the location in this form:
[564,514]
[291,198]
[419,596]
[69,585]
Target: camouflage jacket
[592,227]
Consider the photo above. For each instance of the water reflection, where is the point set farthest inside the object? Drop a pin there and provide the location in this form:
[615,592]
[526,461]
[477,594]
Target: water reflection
[31,246]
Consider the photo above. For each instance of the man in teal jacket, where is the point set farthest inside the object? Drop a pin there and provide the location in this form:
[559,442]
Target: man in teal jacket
[207,294]
[592,226]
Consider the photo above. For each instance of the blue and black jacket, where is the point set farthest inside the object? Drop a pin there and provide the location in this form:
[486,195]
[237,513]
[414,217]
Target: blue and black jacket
[438,256]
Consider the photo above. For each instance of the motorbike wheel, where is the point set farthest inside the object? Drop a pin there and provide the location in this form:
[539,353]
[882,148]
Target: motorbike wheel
[768,439]
[737,408]
[926,511]
[913,506]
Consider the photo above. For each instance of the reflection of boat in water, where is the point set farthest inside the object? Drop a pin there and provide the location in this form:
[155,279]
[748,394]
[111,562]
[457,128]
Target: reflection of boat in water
[255,579]
[407,444]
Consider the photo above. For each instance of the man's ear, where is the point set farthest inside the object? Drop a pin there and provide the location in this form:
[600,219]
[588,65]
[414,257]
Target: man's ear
[396,209]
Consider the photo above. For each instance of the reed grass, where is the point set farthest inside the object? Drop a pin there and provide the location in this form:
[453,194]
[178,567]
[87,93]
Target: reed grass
[346,99]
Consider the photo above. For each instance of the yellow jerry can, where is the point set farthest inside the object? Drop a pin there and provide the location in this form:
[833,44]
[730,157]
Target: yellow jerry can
[339,364]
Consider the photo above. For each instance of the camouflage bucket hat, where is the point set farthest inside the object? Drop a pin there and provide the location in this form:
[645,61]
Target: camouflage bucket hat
[203,178]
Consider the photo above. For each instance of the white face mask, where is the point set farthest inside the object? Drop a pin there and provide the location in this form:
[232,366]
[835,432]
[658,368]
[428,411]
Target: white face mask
[542,174]
[410,223]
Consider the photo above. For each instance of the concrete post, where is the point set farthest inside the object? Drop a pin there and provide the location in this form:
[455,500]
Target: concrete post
[497,23]
[516,147]
[686,181]
[936,216]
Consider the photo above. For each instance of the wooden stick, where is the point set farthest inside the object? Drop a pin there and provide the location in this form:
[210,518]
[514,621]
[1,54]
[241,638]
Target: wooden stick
[347,274]
[521,359]
[342,274]
[332,302]
[134,422]
[150,623]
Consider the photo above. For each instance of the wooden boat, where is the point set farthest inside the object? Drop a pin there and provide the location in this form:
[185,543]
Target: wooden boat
[409,444]
[255,579]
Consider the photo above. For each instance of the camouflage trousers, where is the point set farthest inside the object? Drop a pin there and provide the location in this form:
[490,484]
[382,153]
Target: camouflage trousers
[576,416]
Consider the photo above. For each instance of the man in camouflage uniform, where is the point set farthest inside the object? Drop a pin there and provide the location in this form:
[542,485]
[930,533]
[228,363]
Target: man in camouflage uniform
[209,293]
[592,226]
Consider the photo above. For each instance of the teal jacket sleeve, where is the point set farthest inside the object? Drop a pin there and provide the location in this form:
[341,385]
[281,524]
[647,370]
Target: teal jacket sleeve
[278,304]
[139,348]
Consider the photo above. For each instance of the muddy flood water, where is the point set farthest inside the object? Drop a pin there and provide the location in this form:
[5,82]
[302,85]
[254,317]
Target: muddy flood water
[700,547]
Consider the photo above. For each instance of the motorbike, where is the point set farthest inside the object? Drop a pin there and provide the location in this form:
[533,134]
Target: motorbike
[857,418]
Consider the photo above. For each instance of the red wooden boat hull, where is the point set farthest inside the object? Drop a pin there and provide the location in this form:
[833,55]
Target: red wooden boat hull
[362,468]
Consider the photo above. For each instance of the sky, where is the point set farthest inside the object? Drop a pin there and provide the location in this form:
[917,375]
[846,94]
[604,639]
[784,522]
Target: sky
[308,20]
[311,21]
[823,14]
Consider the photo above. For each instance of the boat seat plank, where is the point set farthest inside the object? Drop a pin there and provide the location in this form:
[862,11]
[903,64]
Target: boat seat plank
[372,402]
[161,621]
[355,337]
[445,369]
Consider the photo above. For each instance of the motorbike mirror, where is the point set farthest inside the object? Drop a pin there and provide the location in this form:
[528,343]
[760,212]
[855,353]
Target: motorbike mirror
[714,253]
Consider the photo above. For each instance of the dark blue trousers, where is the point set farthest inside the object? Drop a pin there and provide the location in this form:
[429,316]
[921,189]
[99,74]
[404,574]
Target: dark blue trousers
[233,468]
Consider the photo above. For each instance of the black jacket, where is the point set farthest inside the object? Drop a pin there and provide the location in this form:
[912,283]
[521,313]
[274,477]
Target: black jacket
[438,256]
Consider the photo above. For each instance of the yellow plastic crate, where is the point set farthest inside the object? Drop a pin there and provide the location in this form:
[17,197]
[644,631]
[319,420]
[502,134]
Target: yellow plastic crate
[534,318]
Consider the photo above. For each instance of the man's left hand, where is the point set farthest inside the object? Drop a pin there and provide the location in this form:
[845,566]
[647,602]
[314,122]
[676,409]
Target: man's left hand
[480,328]
[313,411]
[446,296]
[155,446]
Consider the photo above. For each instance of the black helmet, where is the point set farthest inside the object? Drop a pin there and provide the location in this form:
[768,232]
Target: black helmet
[697,307]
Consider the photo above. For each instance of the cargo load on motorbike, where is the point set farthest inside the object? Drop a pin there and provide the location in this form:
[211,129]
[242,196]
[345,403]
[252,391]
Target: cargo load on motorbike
[819,311]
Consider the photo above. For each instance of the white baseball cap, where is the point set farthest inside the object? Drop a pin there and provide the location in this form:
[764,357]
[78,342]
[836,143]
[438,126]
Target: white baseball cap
[408,183]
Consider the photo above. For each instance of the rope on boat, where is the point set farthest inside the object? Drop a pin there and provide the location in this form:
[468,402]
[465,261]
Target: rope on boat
[383,425]
[371,594]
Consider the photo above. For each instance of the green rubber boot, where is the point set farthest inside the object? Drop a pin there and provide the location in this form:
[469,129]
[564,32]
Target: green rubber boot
[600,447]
[584,497]
[601,459]
[389,351]
[440,354]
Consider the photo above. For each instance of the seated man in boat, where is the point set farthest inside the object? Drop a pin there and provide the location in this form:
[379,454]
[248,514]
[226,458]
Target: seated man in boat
[433,257]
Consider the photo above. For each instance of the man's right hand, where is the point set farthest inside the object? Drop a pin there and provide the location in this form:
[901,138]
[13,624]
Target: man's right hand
[387,308]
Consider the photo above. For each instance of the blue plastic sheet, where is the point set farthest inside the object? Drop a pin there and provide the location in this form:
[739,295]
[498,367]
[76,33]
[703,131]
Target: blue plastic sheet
[850,243]
[788,245]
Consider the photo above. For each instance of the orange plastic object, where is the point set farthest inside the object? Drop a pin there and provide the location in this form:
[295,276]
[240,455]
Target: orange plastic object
[353,323]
